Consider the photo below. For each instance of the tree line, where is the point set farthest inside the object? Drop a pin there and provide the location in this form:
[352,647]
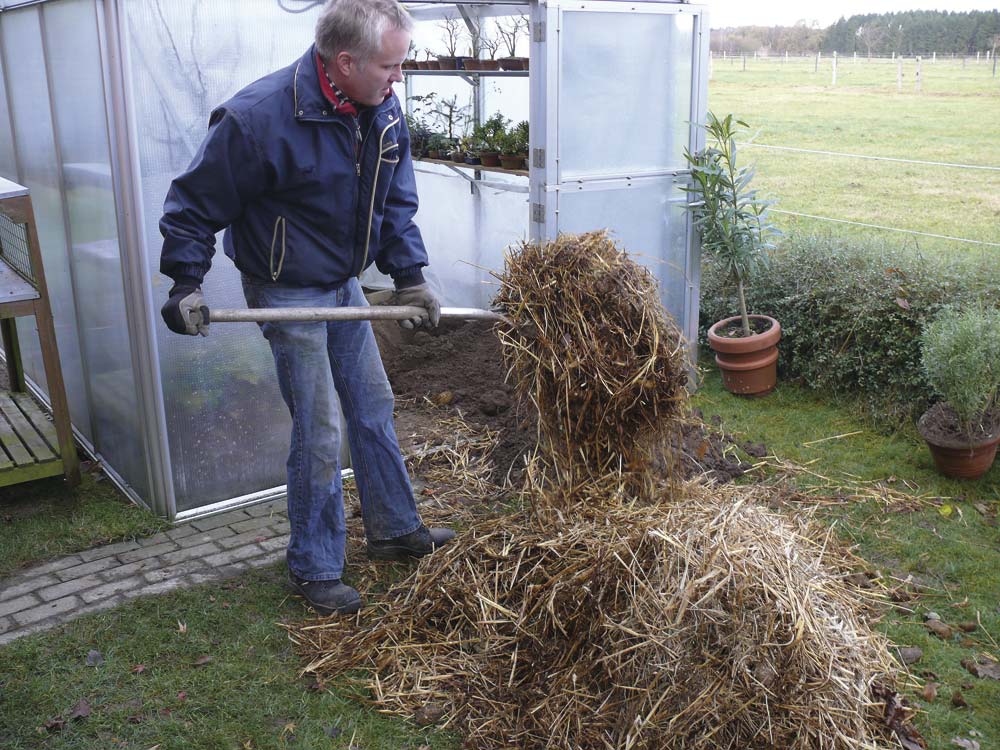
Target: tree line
[916,32]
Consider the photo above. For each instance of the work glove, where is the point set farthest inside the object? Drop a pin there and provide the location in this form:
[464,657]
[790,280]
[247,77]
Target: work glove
[419,296]
[185,311]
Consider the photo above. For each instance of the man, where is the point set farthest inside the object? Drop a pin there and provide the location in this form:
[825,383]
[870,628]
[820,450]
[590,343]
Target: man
[309,171]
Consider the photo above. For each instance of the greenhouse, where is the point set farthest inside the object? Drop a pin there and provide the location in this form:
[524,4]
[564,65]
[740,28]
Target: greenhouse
[104,102]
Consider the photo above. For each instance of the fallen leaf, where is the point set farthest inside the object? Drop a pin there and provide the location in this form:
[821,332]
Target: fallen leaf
[211,598]
[961,604]
[182,696]
[428,714]
[946,510]
[983,667]
[967,643]
[181,627]
[443,398]
[138,669]
[135,719]
[80,711]
[929,693]
[910,655]
[94,658]
[316,686]
[201,661]
[966,627]
[958,700]
[903,303]
[962,742]
[939,629]
[984,509]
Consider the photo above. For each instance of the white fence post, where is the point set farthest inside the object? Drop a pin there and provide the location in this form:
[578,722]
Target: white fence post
[711,64]
[934,58]
[899,75]
[834,68]
[919,79]
[816,66]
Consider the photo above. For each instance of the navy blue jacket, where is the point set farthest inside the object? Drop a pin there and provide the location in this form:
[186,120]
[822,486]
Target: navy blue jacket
[303,204]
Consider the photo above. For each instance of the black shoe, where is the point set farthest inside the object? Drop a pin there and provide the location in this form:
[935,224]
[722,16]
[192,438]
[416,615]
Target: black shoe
[417,543]
[327,597]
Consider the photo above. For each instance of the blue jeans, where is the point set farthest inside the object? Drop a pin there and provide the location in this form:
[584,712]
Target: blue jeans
[312,359]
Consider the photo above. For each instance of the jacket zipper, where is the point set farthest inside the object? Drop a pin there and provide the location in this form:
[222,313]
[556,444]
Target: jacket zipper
[371,207]
[358,142]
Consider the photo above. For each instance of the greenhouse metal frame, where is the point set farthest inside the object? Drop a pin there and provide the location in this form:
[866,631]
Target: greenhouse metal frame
[102,102]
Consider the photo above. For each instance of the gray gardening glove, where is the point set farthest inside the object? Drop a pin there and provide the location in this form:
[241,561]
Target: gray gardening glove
[185,311]
[419,296]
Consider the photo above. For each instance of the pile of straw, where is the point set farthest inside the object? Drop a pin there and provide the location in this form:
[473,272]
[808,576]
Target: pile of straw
[621,612]
[597,355]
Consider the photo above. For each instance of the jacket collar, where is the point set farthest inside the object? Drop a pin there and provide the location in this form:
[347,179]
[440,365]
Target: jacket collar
[309,101]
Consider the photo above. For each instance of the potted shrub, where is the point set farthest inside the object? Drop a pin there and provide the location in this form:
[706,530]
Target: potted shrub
[452,28]
[492,45]
[510,30]
[960,352]
[734,227]
[410,63]
[470,147]
[490,135]
[438,146]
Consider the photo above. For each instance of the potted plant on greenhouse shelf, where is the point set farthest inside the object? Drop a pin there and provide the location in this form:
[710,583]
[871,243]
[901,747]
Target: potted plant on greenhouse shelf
[471,146]
[510,31]
[492,45]
[734,227]
[960,351]
[452,36]
[438,146]
[490,135]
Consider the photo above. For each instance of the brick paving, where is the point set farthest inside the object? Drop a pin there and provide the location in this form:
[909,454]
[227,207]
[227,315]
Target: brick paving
[207,549]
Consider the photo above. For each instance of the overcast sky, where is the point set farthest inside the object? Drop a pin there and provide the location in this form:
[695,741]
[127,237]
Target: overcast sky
[788,12]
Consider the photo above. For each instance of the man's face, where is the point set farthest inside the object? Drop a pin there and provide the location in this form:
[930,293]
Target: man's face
[371,82]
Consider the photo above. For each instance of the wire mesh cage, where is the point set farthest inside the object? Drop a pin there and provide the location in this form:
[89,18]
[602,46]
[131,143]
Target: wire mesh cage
[14,248]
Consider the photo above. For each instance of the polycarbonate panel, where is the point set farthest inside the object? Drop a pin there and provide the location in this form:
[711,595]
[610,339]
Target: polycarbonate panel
[72,43]
[624,91]
[24,69]
[228,428]
[648,222]
[466,235]
[8,163]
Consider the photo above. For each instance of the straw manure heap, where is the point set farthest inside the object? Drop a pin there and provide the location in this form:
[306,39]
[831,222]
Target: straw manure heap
[616,610]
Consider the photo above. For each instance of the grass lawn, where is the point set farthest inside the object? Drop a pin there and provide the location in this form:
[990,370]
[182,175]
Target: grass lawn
[204,669]
[950,121]
[45,519]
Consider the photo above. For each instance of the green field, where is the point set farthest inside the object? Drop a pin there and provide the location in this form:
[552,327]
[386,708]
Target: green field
[954,118]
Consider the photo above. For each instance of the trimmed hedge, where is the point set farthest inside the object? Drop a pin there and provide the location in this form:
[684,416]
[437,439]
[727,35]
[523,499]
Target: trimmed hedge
[852,310]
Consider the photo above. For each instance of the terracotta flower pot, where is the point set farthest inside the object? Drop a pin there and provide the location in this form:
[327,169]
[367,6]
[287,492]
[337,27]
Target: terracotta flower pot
[447,62]
[510,63]
[511,162]
[471,63]
[955,457]
[490,158]
[749,364]
[489,65]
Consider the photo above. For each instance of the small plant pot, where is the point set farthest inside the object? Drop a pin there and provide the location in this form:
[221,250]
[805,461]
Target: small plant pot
[489,158]
[433,154]
[524,63]
[510,63]
[511,162]
[749,364]
[423,65]
[458,157]
[471,63]
[954,456]
[489,65]
[410,65]
[472,159]
[434,65]
[447,62]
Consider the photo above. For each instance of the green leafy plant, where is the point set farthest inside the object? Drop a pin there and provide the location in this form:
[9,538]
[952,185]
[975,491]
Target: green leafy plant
[491,132]
[514,141]
[733,221]
[960,353]
[439,142]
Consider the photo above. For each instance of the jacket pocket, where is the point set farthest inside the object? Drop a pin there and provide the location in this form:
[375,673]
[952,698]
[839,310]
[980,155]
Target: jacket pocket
[275,269]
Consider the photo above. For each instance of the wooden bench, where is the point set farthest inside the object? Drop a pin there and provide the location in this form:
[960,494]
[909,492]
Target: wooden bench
[31,445]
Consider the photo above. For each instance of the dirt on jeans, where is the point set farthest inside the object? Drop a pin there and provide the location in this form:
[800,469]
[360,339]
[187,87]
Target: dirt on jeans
[459,367]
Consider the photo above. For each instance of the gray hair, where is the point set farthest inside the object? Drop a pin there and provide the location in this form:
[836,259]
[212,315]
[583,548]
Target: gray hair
[356,26]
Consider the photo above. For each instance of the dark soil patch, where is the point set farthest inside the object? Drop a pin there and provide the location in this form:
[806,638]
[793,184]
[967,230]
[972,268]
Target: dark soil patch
[939,425]
[459,366]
